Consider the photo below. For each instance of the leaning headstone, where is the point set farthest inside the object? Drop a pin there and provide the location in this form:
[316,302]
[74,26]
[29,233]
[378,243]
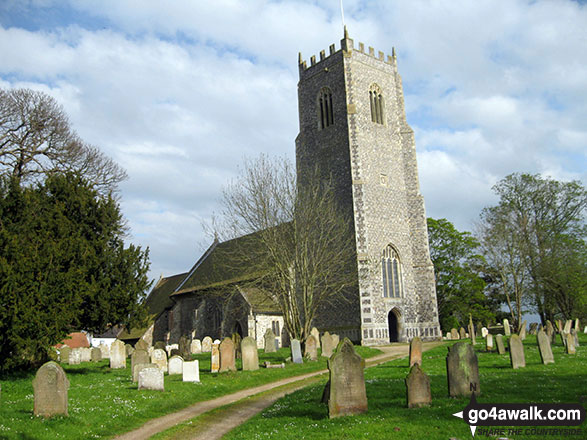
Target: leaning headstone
[570,344]
[327,344]
[311,349]
[250,355]
[533,328]
[314,332]
[175,365]
[296,351]
[191,371]
[227,355]
[129,349]
[484,331]
[418,388]
[568,325]
[577,326]
[544,348]
[489,342]
[151,378]
[64,353]
[50,387]
[506,327]
[462,333]
[138,357]
[462,370]
[207,344]
[550,331]
[517,358]
[347,394]
[559,325]
[575,336]
[522,333]
[214,358]
[95,354]
[563,337]
[454,334]
[138,367]
[159,358]
[196,346]
[335,340]
[415,351]
[269,339]
[117,355]
[500,344]
[141,345]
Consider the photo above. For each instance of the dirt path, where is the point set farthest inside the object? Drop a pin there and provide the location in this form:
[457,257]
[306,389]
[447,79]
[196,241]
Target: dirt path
[233,417]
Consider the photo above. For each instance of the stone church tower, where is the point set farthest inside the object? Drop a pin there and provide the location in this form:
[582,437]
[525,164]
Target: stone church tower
[353,126]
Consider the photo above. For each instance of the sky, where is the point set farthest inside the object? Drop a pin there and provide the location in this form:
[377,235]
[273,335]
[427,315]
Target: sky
[180,92]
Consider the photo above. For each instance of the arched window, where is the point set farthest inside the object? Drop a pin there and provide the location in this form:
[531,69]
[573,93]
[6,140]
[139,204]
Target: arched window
[376,101]
[391,270]
[325,110]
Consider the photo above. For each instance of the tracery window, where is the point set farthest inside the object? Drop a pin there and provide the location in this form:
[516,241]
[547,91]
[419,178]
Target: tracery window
[392,273]
[325,110]
[376,101]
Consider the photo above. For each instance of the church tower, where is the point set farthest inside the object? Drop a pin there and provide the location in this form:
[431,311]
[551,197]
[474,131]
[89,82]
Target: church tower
[353,127]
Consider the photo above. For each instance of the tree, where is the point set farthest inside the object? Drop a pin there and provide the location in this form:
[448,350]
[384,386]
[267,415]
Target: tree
[458,271]
[296,241]
[63,266]
[537,226]
[36,140]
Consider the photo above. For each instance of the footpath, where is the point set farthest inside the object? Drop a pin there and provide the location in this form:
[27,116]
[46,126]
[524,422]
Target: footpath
[263,396]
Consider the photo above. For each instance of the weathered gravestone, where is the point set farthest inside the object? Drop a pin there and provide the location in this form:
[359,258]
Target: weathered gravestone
[544,348]
[335,340]
[105,349]
[138,357]
[85,354]
[64,353]
[472,334]
[95,354]
[117,355]
[184,347]
[327,345]
[311,349]
[142,345]
[506,327]
[575,336]
[75,356]
[448,336]
[570,344]
[151,378]
[137,368]
[484,331]
[215,358]
[499,343]
[207,344]
[550,331]
[533,328]
[50,387]
[517,358]
[196,347]
[227,355]
[191,371]
[129,349]
[314,332]
[175,365]
[454,334]
[347,394]
[250,354]
[522,332]
[489,342]
[159,358]
[462,370]
[462,333]
[568,325]
[418,388]
[269,340]
[296,351]
[415,351]
[563,337]
[577,326]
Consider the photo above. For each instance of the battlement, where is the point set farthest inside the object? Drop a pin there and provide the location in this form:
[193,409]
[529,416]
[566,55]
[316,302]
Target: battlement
[347,46]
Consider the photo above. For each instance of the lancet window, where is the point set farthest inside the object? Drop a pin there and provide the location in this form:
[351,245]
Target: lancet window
[392,273]
[377,106]
[325,110]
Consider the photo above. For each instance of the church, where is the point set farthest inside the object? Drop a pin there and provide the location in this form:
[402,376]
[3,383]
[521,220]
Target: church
[353,125]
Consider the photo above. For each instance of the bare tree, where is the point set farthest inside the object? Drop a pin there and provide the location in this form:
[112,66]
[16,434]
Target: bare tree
[36,140]
[294,240]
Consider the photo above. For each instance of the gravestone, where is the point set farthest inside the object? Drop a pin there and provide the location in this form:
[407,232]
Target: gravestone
[227,355]
[347,394]
[418,388]
[215,358]
[117,355]
[184,347]
[314,332]
[544,348]
[50,387]
[489,342]
[506,327]
[105,349]
[136,369]
[499,343]
[585,330]
[448,336]
[311,349]
[191,371]
[568,325]
[95,354]
[142,345]
[517,357]
[207,344]
[454,334]
[250,354]
[462,333]
[196,347]
[484,331]
[559,325]
[85,354]
[462,370]
[575,336]
[335,340]
[327,344]
[159,358]
[550,331]
[151,378]
[269,340]
[139,356]
[415,351]
[129,349]
[570,344]
[64,353]
[169,348]
[296,351]
[75,356]
[472,333]
[522,333]
[577,325]
[175,365]
[533,328]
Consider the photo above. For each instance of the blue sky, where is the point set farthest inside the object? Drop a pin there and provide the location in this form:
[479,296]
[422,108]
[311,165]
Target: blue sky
[179,92]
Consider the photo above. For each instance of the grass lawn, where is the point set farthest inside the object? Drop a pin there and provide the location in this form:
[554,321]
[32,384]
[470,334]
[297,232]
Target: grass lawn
[105,402]
[301,416]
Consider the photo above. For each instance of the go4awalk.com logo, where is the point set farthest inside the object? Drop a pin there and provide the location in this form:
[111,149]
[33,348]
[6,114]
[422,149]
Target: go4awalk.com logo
[530,416]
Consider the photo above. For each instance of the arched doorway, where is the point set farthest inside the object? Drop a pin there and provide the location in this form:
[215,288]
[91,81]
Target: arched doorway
[238,329]
[394,325]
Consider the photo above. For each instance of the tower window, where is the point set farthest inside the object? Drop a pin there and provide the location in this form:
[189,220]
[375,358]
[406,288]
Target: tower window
[376,101]
[325,110]
[391,273]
